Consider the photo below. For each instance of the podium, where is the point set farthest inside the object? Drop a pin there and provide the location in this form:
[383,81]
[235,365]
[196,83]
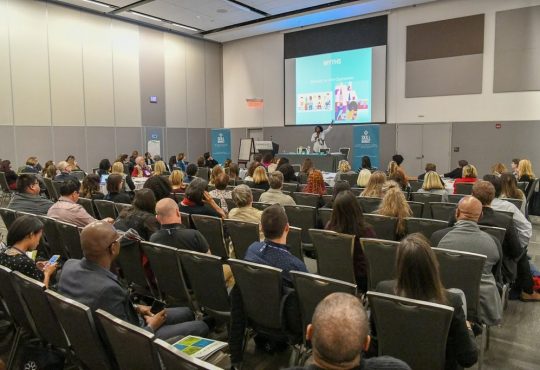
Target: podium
[264,147]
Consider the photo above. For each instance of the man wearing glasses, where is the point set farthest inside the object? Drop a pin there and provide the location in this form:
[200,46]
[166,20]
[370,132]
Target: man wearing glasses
[27,198]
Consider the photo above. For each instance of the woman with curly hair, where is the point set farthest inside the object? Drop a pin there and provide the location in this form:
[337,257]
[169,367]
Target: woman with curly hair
[394,204]
[375,185]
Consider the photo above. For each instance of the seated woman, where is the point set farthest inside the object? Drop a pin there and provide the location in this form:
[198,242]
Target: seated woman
[127,181]
[498,169]
[104,167]
[114,189]
[344,168]
[73,163]
[24,236]
[214,173]
[305,170]
[221,192]
[288,173]
[347,218]
[397,175]
[141,216]
[418,278]
[338,188]
[375,185]
[509,188]
[366,164]
[260,179]
[176,178]
[234,172]
[394,204]
[469,175]
[197,200]
[363,178]
[160,185]
[434,185]
[11,176]
[90,187]
[251,169]
[267,160]
[243,198]
[316,185]
[160,169]
[525,172]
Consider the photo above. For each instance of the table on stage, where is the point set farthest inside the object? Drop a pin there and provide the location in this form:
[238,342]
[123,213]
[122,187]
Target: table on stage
[323,162]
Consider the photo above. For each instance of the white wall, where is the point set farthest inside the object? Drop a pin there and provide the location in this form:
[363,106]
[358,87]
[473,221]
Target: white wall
[253,67]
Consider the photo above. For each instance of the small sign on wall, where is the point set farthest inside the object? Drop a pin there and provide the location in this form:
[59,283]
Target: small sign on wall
[498,125]
[153,99]
[255,103]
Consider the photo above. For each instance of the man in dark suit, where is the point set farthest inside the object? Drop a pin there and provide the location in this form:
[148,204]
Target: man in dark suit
[91,282]
[457,173]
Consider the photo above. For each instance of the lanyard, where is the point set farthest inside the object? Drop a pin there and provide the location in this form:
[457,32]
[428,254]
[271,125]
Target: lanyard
[265,245]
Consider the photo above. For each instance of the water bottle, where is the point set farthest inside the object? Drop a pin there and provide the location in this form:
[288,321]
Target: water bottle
[308,149]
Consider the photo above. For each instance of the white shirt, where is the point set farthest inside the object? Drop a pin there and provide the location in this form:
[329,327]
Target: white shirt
[523,226]
[320,143]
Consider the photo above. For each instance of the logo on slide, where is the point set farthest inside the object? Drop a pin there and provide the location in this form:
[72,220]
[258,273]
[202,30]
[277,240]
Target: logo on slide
[366,139]
[221,139]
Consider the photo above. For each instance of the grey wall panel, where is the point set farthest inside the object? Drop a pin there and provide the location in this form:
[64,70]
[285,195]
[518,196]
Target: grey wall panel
[33,141]
[197,138]
[444,76]
[129,139]
[70,140]
[7,143]
[176,139]
[517,70]
[100,142]
[387,144]
[152,70]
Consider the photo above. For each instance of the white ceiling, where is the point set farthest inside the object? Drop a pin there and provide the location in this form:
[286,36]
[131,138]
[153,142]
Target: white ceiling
[224,20]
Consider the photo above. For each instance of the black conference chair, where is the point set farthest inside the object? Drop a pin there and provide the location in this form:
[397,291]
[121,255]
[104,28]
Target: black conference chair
[291,187]
[415,185]
[294,242]
[212,230]
[131,268]
[307,199]
[417,208]
[87,205]
[455,198]
[168,274]
[7,193]
[51,231]
[442,211]
[384,226]
[351,178]
[369,204]
[464,188]
[186,220]
[132,346]
[173,358]
[426,324]
[78,324]
[51,190]
[260,206]
[425,226]
[381,257]
[8,216]
[517,202]
[71,239]
[256,194]
[324,215]
[334,254]
[304,217]
[205,275]
[242,234]
[105,209]
[426,198]
[120,207]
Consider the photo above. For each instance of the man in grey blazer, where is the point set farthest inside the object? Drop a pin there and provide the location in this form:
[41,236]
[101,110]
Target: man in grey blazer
[466,236]
[91,282]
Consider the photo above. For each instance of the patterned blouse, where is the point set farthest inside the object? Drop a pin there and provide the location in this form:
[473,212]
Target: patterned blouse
[23,264]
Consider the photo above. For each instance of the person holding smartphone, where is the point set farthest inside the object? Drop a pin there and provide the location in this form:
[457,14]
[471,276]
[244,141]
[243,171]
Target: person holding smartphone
[23,237]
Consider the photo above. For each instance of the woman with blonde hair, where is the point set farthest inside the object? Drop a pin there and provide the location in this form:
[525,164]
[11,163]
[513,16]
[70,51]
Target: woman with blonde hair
[160,169]
[177,184]
[260,178]
[118,168]
[498,169]
[525,172]
[344,168]
[374,185]
[394,204]
[469,175]
[433,184]
[363,178]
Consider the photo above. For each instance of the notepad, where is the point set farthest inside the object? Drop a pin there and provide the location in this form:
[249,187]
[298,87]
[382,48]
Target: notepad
[199,347]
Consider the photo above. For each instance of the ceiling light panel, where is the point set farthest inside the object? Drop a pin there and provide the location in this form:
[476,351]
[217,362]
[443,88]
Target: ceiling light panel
[283,6]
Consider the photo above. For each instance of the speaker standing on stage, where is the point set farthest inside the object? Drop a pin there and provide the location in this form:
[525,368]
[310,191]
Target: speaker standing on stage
[318,138]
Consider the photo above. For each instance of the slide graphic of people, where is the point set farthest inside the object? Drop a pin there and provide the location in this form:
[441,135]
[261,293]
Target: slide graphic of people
[327,101]
[310,103]
[301,104]
[319,103]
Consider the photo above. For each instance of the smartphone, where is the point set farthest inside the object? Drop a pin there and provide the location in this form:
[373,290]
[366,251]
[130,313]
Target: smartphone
[157,306]
[53,259]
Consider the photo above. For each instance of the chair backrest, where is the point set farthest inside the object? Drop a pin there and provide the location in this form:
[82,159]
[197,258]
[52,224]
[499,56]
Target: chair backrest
[304,217]
[242,234]
[132,346]
[442,210]
[345,151]
[260,206]
[415,185]
[212,230]
[306,199]
[357,191]
[530,192]
[462,270]
[186,220]
[130,262]
[173,358]
[426,198]
[230,204]
[517,202]
[51,190]
[425,226]
[425,326]
[205,274]
[33,295]
[53,237]
[369,204]
[168,273]
[417,208]
[384,226]
[105,209]
[294,242]
[80,175]
[12,300]
[71,238]
[334,254]
[78,324]
[120,207]
[351,178]
[57,185]
[455,198]
[261,290]
[8,216]
[3,183]
[256,194]
[292,187]
[497,232]
[87,205]
[203,173]
[522,185]
[312,288]
[464,188]
[381,257]
[324,215]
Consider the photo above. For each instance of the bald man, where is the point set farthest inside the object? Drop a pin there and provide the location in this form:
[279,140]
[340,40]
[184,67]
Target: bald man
[339,333]
[466,236]
[91,282]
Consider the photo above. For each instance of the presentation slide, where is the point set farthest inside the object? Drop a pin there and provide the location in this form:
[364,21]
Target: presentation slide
[334,87]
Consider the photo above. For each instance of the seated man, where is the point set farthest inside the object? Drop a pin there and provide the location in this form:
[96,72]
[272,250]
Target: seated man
[65,172]
[91,282]
[27,198]
[339,333]
[68,210]
[457,173]
[466,236]
[274,194]
[274,252]
[429,167]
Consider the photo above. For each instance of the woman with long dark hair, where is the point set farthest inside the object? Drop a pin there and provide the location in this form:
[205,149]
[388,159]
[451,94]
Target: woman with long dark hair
[347,218]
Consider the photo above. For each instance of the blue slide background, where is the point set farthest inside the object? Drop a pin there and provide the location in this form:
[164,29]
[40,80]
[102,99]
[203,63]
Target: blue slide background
[320,75]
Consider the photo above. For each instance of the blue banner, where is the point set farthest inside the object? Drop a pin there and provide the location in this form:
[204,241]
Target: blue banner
[221,144]
[365,142]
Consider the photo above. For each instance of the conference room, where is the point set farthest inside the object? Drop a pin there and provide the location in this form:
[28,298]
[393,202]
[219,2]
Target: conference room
[209,184]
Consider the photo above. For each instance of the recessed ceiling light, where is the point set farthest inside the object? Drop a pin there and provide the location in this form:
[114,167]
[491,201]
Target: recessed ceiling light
[97,3]
[145,16]
[185,27]
[222,11]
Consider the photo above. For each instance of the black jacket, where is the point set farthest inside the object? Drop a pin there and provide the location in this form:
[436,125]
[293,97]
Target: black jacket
[456,173]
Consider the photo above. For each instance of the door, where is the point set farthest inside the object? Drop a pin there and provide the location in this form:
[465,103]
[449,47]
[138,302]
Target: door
[409,145]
